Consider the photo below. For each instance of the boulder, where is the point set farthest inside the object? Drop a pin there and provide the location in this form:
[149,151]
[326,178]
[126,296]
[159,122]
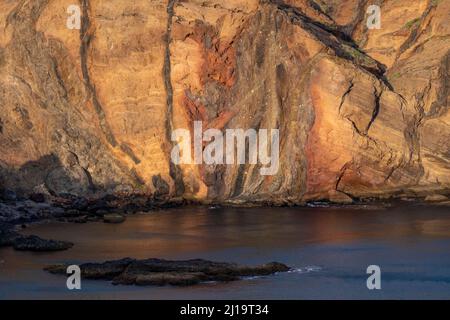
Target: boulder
[35,243]
[113,218]
[160,272]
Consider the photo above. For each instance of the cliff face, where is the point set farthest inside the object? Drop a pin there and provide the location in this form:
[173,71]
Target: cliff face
[361,113]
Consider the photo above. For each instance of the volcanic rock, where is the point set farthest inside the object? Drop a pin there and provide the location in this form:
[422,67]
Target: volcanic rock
[9,237]
[165,272]
[113,218]
[35,243]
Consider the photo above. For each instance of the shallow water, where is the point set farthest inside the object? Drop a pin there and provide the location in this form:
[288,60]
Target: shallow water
[328,248]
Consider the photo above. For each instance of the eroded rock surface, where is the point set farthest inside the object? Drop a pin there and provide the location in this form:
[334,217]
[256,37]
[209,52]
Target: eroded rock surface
[165,272]
[35,243]
[9,237]
[362,113]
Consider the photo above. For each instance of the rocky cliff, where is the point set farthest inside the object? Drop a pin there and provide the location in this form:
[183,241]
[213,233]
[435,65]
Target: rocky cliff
[362,113]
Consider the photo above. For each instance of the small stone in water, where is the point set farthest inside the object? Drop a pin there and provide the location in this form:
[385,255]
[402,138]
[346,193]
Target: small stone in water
[113,218]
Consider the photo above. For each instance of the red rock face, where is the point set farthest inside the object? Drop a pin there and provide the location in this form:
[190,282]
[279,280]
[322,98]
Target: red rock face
[362,112]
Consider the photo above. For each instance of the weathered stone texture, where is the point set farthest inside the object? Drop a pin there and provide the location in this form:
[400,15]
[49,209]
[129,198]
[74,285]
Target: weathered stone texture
[362,113]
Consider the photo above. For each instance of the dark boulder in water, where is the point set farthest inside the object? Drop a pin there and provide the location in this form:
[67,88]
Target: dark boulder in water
[35,243]
[160,272]
[9,237]
[113,218]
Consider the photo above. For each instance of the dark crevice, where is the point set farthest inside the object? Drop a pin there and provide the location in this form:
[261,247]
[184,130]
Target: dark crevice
[86,172]
[376,108]
[412,131]
[90,180]
[346,93]
[127,150]
[350,28]
[174,170]
[338,40]
[59,78]
[342,44]
[393,169]
[136,177]
[440,106]
[85,41]
[355,127]
[240,180]
[339,178]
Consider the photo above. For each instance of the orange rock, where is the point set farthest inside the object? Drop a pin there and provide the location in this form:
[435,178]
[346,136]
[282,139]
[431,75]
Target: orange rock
[361,112]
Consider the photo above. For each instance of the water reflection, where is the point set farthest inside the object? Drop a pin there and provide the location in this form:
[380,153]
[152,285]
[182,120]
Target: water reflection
[339,242]
[184,230]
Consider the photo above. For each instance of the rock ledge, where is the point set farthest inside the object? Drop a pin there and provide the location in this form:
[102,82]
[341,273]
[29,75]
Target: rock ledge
[160,272]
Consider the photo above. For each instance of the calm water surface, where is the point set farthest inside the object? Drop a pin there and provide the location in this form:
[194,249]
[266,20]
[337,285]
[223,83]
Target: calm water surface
[330,248]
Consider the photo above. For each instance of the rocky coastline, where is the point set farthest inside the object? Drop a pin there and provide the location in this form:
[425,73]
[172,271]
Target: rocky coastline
[362,113]
[18,212]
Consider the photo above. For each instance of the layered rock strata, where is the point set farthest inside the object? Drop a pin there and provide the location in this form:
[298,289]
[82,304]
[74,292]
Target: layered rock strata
[362,113]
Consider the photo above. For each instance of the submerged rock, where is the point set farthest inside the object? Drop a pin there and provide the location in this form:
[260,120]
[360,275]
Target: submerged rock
[106,271]
[35,243]
[160,272]
[9,237]
[113,218]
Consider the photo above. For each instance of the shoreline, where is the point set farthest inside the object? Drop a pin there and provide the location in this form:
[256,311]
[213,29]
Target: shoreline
[26,211]
[17,214]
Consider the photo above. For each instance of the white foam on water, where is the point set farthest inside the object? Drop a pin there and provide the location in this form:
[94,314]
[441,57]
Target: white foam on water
[306,269]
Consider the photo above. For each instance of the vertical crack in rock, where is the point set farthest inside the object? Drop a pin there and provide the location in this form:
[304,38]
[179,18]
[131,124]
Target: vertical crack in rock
[36,66]
[339,178]
[174,170]
[346,93]
[59,79]
[128,151]
[355,128]
[41,92]
[393,169]
[412,131]
[440,106]
[376,108]
[85,41]
[86,172]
